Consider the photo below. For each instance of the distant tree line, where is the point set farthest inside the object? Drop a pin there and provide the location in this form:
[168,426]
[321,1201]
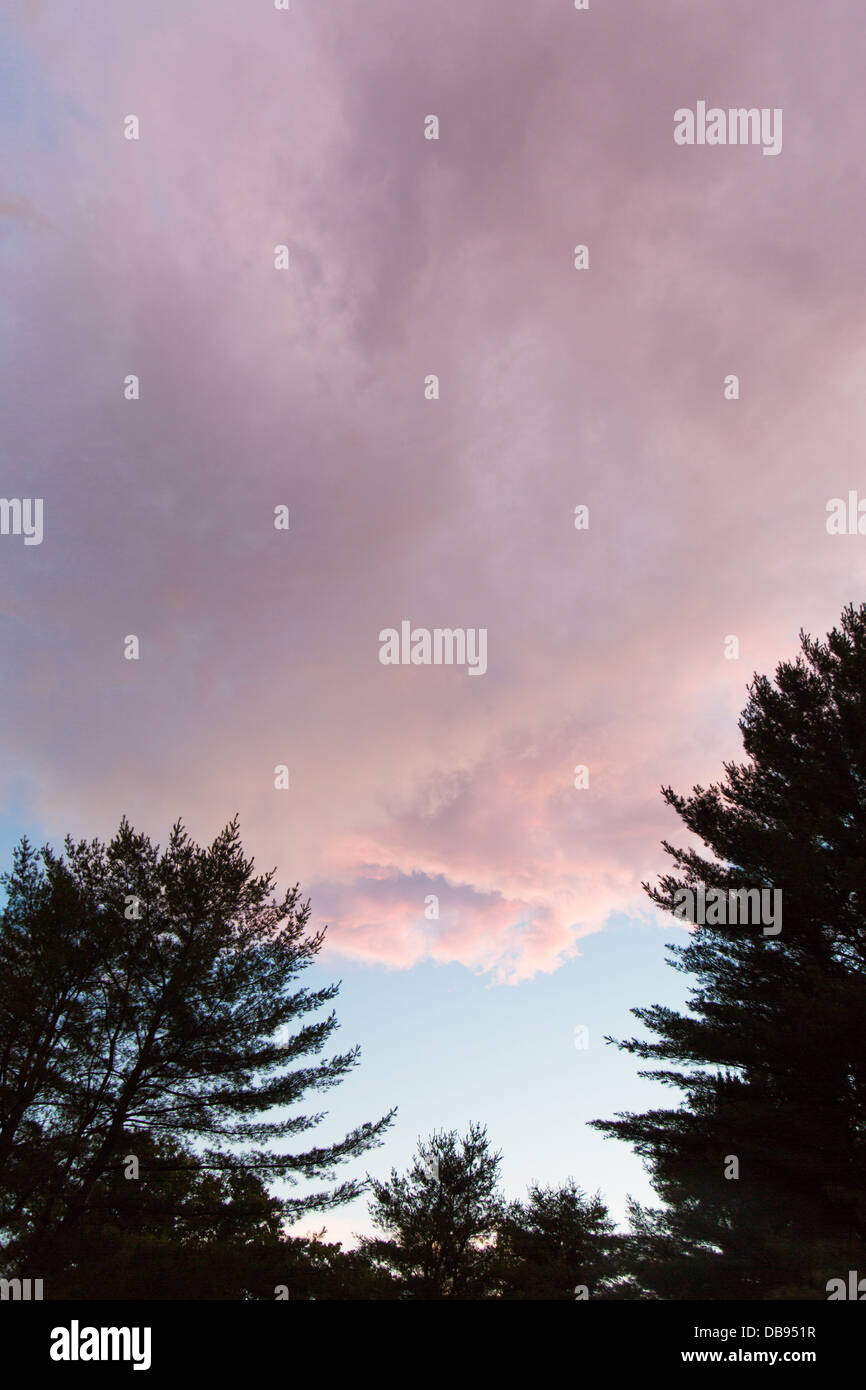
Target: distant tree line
[155,1046]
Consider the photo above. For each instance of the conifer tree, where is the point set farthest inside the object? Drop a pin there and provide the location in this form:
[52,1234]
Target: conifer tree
[558,1244]
[153,994]
[439,1220]
[762,1167]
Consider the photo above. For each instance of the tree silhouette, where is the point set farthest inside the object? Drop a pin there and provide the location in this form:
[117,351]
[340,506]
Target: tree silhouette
[762,1167]
[558,1244]
[150,996]
[440,1219]
[190,1229]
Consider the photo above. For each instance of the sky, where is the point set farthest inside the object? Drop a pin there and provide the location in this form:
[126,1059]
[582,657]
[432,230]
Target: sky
[559,387]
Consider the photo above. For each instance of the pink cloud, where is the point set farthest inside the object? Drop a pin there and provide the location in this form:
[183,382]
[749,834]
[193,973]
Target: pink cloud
[557,388]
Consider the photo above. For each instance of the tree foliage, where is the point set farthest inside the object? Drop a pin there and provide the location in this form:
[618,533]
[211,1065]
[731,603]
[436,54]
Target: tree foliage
[771,1056]
[149,1000]
[439,1221]
[558,1244]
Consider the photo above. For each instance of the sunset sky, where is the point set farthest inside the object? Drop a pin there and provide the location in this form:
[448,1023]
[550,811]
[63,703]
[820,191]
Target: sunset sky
[558,387]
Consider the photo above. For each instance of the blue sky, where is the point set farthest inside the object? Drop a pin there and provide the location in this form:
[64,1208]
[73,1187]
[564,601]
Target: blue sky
[448,1048]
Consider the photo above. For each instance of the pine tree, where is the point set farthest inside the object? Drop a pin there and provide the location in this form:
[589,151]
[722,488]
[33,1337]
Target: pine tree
[762,1166]
[147,994]
[182,1226]
[440,1219]
[558,1244]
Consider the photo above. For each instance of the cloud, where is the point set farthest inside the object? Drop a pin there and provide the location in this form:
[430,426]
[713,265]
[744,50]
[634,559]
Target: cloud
[558,387]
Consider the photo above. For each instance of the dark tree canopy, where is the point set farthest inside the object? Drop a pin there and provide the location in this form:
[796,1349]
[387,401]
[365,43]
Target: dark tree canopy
[558,1244]
[439,1221]
[771,1057]
[191,1229]
[146,1000]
